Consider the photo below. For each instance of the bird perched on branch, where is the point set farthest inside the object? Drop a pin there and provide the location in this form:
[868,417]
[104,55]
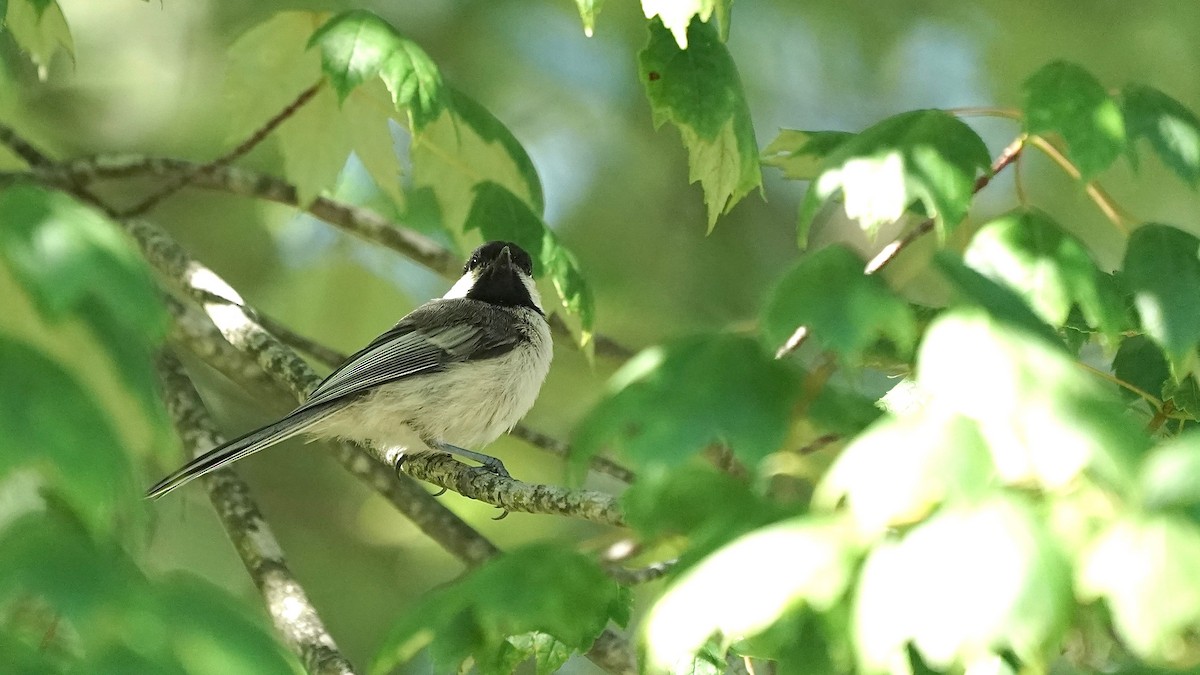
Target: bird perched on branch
[454,373]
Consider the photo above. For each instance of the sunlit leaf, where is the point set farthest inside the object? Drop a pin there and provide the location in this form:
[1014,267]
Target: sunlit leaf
[969,580]
[1045,420]
[1063,98]
[1162,269]
[1001,302]
[1172,129]
[499,214]
[520,592]
[747,585]
[1030,253]
[357,45]
[1145,569]
[699,91]
[670,402]
[1170,476]
[800,153]
[901,468]
[39,29]
[849,321]
[926,156]
[676,16]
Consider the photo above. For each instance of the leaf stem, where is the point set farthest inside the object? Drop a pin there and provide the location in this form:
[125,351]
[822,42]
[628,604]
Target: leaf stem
[1107,205]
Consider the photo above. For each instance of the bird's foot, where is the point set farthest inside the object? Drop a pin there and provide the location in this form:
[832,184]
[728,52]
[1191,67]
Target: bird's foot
[488,462]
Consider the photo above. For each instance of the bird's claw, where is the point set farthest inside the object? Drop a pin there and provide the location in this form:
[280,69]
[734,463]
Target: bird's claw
[503,514]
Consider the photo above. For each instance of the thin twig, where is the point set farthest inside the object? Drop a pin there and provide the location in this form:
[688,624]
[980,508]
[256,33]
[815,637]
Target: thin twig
[288,605]
[182,179]
[23,148]
[1107,205]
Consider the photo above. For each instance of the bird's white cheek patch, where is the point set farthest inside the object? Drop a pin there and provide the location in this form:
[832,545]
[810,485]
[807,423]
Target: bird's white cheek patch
[462,286]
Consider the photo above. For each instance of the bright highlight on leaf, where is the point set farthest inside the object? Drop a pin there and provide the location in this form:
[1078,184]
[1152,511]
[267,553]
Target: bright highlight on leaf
[1172,130]
[1065,99]
[928,156]
[698,90]
[1162,269]
[1050,269]
[677,15]
[847,321]
[1145,569]
[743,588]
[970,580]
[523,591]
[670,402]
[39,29]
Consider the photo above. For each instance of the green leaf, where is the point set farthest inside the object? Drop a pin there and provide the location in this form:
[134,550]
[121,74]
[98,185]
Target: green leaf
[999,301]
[358,45]
[51,424]
[588,11]
[847,321]
[548,654]
[75,263]
[746,586]
[315,143]
[1051,270]
[40,30]
[698,90]
[464,147]
[800,153]
[1162,271]
[1141,363]
[1170,476]
[669,402]
[514,594]
[928,156]
[901,468]
[1046,421]
[1172,130]
[1063,98]
[499,214]
[676,16]
[1145,568]
[970,580]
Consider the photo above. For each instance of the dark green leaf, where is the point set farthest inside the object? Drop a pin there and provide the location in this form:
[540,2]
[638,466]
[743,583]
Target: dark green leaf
[1145,568]
[358,45]
[800,153]
[517,593]
[698,90]
[1063,98]
[959,599]
[928,156]
[1184,395]
[73,262]
[845,311]
[1163,272]
[1172,129]
[749,584]
[499,214]
[670,402]
[1141,363]
[51,424]
[1029,252]
[1001,302]
[842,411]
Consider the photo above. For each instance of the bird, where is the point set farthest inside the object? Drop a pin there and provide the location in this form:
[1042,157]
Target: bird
[455,373]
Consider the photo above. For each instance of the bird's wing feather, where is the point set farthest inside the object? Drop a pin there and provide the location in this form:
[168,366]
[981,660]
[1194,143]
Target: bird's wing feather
[424,341]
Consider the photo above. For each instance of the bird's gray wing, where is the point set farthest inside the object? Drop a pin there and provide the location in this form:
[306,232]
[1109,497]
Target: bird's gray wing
[426,340]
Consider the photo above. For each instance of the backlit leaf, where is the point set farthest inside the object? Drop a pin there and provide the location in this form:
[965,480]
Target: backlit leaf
[926,156]
[677,15]
[1172,130]
[1063,98]
[800,153]
[1163,272]
[40,30]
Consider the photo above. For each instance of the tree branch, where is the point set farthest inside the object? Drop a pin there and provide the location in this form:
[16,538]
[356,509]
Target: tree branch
[288,605]
[356,220]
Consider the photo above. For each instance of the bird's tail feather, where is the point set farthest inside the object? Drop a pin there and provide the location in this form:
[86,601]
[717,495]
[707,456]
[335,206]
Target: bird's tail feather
[240,447]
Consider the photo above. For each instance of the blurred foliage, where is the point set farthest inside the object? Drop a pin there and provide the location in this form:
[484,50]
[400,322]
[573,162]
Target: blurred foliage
[982,459]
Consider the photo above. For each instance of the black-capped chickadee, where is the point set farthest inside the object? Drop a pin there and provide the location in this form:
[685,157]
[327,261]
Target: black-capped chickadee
[455,373]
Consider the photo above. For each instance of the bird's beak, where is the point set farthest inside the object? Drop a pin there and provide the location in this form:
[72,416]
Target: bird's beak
[505,258]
